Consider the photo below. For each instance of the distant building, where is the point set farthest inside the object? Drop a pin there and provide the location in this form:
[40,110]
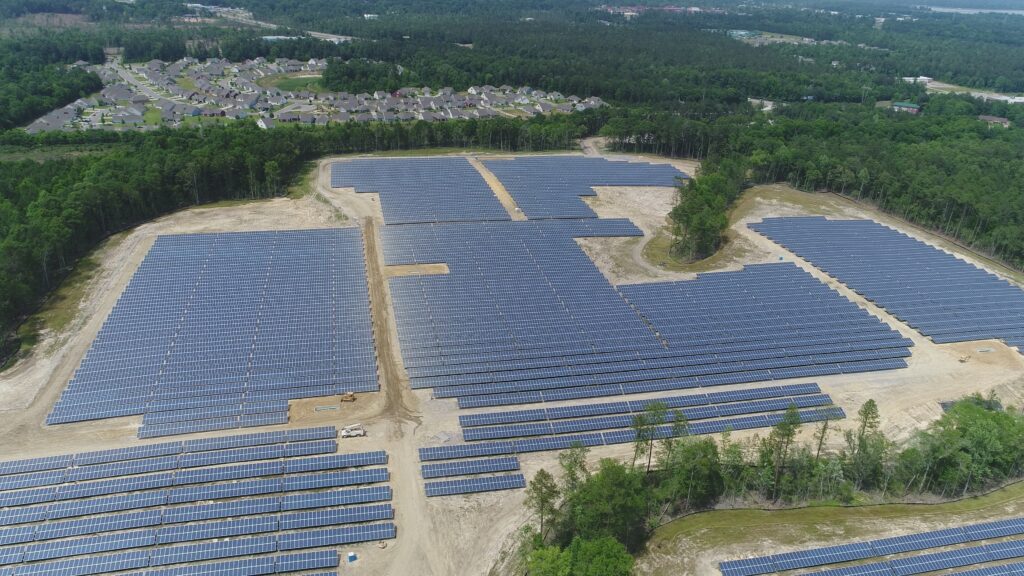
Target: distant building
[995,120]
[908,107]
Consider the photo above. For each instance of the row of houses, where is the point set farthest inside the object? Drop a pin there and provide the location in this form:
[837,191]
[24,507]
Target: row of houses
[190,88]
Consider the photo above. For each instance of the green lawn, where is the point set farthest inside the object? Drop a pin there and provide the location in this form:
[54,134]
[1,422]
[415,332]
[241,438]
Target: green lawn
[151,116]
[293,83]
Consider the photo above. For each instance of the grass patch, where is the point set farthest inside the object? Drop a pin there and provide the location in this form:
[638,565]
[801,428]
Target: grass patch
[231,202]
[302,82]
[305,184]
[771,529]
[658,253]
[187,83]
[151,116]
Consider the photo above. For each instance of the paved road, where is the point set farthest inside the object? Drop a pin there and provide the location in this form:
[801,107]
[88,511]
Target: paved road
[140,86]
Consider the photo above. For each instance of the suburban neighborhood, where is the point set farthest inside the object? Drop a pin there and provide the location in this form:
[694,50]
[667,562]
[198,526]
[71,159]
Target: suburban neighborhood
[149,95]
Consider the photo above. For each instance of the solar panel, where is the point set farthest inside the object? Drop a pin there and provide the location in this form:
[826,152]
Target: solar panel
[473,485]
[335,536]
[465,467]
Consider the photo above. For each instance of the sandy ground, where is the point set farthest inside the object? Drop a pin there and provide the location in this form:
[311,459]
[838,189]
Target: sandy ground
[473,534]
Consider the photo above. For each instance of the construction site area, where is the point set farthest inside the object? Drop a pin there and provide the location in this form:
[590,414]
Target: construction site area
[367,375]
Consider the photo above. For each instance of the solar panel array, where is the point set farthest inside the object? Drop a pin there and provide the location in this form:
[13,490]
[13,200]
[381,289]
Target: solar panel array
[896,545]
[943,297]
[524,316]
[219,331]
[551,186]
[418,190]
[194,501]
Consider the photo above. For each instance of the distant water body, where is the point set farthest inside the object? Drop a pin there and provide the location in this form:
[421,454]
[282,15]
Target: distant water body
[975,10]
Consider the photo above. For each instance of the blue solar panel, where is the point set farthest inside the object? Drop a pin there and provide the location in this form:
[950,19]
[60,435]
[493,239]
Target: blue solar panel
[335,536]
[416,190]
[87,565]
[213,550]
[333,516]
[895,545]
[335,498]
[933,291]
[472,485]
[551,186]
[466,467]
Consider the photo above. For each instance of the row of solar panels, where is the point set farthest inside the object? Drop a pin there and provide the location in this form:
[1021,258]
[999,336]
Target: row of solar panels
[186,493]
[477,383]
[597,391]
[280,564]
[498,448]
[167,448]
[573,425]
[884,547]
[278,459]
[137,532]
[475,485]
[567,379]
[164,556]
[636,406]
[180,507]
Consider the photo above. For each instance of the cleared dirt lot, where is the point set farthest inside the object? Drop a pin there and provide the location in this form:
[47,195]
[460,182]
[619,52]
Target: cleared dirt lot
[469,535]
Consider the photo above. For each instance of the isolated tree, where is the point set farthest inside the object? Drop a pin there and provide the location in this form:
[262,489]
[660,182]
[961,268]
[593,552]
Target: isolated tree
[542,498]
[780,440]
[574,468]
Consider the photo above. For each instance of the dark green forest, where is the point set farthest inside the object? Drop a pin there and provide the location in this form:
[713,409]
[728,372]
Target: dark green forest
[677,86]
[612,509]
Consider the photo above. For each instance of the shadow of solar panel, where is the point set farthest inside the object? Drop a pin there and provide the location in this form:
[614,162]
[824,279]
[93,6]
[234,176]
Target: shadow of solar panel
[473,485]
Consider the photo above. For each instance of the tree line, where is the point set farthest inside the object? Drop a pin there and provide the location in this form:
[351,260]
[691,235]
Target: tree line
[590,520]
[943,169]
